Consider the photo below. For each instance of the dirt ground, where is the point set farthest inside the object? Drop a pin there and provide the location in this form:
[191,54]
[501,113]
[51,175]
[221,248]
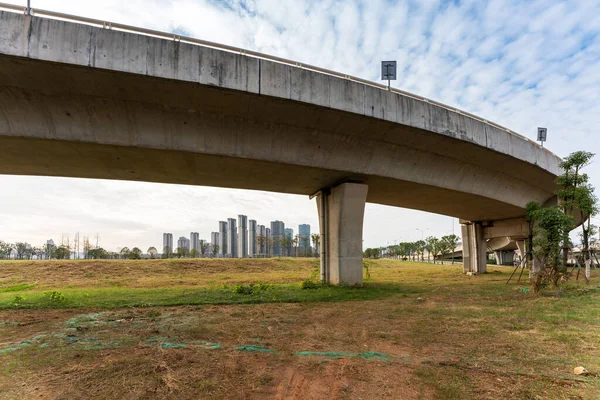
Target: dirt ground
[364,350]
[430,333]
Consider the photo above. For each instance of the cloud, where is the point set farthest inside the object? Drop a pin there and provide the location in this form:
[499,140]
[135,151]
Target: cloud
[520,64]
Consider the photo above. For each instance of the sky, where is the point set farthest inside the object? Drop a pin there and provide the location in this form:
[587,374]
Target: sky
[521,64]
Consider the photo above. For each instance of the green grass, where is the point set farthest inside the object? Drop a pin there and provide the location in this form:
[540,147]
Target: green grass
[17,288]
[126,297]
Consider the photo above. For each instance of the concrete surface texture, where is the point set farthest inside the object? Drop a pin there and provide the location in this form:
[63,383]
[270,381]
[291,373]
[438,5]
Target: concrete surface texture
[83,101]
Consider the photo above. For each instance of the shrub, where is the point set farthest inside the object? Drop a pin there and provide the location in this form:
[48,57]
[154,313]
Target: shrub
[18,300]
[251,288]
[55,297]
[308,284]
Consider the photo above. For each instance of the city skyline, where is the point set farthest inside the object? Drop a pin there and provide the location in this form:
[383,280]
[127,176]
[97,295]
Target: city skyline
[245,241]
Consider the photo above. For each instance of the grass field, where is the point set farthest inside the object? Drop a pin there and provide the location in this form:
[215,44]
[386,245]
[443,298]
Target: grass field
[188,329]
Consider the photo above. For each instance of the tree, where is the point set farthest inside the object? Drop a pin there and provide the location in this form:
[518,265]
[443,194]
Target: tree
[204,247]
[420,248]
[448,245]
[182,252]
[62,252]
[167,252]
[429,244]
[316,238]
[49,249]
[135,254]
[283,245]
[124,253]
[98,253]
[435,246]
[305,240]
[152,252]
[21,249]
[549,227]
[271,244]
[576,197]
[194,253]
[215,249]
[296,242]
[261,239]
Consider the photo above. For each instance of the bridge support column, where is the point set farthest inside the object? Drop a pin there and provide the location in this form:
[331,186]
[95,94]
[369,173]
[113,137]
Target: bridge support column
[474,248]
[341,212]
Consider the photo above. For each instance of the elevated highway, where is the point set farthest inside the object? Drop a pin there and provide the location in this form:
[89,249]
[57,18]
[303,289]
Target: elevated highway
[86,99]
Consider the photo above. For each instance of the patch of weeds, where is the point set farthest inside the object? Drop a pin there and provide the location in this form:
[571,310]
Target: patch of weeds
[252,288]
[17,288]
[367,268]
[153,314]
[17,300]
[206,386]
[55,297]
[310,284]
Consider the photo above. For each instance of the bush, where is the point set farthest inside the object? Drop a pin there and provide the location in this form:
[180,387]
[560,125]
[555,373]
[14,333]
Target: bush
[18,300]
[251,288]
[55,297]
[308,284]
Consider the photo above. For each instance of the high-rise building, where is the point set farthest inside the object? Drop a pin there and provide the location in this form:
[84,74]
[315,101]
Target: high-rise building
[231,238]
[277,231]
[252,238]
[261,240]
[268,249]
[195,241]
[242,236]
[167,244]
[214,241]
[222,238]
[304,243]
[183,243]
[289,232]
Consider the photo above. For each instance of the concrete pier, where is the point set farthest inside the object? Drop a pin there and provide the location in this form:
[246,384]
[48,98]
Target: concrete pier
[474,248]
[341,213]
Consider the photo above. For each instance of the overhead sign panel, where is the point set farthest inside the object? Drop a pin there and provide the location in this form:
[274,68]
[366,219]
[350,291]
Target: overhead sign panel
[388,70]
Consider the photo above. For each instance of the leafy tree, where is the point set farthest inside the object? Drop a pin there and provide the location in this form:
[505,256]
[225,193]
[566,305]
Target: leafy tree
[549,227]
[167,252]
[576,197]
[316,238]
[20,248]
[98,253]
[305,242]
[420,246]
[430,243]
[215,249]
[204,247]
[283,245]
[448,245]
[62,252]
[261,239]
[124,253]
[435,246]
[135,254]
[5,250]
[296,242]
[194,253]
[182,252]
[152,252]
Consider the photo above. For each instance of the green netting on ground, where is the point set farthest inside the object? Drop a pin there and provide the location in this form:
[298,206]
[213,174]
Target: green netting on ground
[369,355]
[253,348]
[86,319]
[166,345]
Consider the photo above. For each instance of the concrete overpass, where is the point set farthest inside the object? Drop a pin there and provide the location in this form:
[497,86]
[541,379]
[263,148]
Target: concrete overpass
[89,100]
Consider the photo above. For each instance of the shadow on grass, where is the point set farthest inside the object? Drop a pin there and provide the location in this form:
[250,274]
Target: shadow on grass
[114,297]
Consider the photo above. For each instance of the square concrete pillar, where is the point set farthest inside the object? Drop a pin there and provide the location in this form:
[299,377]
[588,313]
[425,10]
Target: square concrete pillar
[341,214]
[474,248]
